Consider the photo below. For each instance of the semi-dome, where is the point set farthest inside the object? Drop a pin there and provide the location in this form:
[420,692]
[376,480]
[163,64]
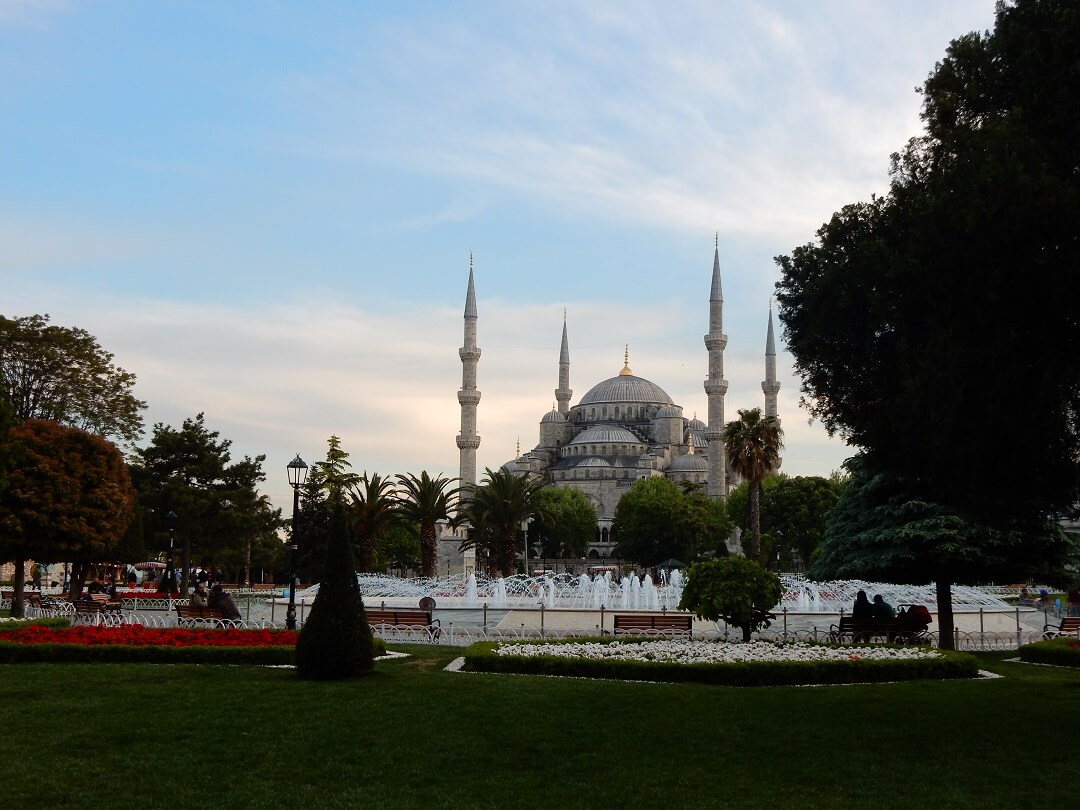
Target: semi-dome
[593,461]
[691,462]
[606,434]
[669,411]
[626,388]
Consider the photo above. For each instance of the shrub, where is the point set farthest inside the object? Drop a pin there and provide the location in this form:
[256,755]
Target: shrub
[732,589]
[1062,652]
[481,657]
[335,641]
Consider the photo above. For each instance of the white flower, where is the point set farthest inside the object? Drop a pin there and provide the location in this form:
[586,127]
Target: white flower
[706,652]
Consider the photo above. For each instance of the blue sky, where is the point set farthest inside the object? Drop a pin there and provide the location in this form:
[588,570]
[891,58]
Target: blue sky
[265,210]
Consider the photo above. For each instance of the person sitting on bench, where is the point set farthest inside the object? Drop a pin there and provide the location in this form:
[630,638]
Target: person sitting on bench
[220,599]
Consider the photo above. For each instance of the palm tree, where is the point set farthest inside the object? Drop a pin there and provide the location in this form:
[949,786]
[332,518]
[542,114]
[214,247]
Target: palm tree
[427,501]
[372,510]
[753,443]
[498,508]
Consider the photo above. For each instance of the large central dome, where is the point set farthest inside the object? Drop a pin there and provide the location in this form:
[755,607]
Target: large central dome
[626,388]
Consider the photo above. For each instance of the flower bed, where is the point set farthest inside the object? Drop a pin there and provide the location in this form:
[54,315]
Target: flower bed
[56,640]
[1063,652]
[755,664]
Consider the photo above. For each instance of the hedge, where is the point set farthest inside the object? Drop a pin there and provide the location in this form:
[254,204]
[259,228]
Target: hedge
[1062,652]
[481,657]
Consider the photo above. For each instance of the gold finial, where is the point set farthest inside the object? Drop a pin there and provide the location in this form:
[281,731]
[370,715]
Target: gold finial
[626,372]
[690,442]
[717,240]
[564,314]
[470,261]
[517,452]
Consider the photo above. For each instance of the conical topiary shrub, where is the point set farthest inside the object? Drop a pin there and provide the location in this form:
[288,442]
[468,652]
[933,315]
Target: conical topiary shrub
[335,641]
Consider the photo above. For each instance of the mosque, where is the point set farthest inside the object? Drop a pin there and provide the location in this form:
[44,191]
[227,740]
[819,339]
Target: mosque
[623,429]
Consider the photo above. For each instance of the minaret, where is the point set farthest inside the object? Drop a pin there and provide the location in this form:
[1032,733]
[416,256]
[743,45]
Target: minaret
[468,396]
[563,392]
[769,385]
[716,386]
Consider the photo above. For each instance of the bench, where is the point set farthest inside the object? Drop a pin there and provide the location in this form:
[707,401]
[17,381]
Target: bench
[189,614]
[651,624]
[1070,626]
[404,619]
[865,630]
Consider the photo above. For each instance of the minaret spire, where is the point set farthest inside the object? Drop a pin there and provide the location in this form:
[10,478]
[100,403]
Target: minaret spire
[769,386]
[468,396]
[716,386]
[564,392]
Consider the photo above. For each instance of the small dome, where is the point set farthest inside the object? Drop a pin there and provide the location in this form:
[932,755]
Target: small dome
[552,416]
[691,462]
[593,461]
[669,411]
[696,424]
[606,434]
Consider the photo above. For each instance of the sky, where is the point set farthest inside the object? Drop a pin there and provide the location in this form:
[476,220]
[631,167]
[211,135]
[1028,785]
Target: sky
[266,210]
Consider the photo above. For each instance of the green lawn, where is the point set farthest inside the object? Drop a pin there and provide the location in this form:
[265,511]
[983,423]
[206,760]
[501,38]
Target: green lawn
[412,735]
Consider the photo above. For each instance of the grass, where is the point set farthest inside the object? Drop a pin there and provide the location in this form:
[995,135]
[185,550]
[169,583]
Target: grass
[414,736]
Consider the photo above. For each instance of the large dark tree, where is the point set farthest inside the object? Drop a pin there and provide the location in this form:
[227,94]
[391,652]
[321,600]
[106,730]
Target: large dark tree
[936,328]
[371,511]
[67,496]
[62,374]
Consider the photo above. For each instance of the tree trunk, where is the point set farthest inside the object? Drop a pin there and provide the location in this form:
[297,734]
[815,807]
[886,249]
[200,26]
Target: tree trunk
[508,552]
[755,520]
[247,563]
[185,568]
[946,636]
[427,551]
[746,631]
[18,582]
[364,554]
[78,577]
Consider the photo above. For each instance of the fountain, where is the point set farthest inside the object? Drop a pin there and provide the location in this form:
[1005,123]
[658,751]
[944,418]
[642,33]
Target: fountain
[583,592]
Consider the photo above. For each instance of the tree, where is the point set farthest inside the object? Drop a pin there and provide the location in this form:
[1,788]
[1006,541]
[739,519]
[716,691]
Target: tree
[68,496]
[734,590]
[371,512]
[335,641]
[62,374]
[497,509]
[571,522]
[753,443]
[399,548]
[794,512]
[921,322]
[218,508]
[427,502]
[655,520]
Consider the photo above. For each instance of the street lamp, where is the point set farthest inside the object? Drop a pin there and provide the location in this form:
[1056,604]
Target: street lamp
[171,583]
[297,478]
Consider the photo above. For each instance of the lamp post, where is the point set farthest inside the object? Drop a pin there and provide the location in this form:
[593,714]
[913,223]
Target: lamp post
[297,478]
[171,579]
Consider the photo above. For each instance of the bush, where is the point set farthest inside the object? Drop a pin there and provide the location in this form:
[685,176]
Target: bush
[734,590]
[481,657]
[1062,652]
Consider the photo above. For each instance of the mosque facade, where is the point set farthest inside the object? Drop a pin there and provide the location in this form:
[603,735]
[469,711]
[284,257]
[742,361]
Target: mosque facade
[623,429]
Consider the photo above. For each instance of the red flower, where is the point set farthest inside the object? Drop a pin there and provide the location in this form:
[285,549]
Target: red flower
[135,635]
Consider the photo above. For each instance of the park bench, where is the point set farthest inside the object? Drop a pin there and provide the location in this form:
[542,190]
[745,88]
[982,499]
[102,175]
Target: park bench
[865,630]
[1069,626]
[650,624]
[197,614]
[410,619]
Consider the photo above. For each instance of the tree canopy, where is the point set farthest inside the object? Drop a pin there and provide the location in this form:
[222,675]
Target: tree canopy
[496,510]
[753,443]
[655,520]
[189,471]
[570,524]
[62,374]
[68,496]
[936,328]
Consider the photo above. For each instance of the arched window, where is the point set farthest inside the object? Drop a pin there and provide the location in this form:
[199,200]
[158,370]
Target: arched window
[603,412]
[616,411]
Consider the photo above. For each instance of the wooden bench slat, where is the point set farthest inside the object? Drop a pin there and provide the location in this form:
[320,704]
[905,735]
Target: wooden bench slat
[652,621]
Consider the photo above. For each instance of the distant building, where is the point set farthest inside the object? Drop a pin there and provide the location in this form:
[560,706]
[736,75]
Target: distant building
[623,429]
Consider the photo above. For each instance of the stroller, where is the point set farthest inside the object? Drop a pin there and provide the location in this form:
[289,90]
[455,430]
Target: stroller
[911,625]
